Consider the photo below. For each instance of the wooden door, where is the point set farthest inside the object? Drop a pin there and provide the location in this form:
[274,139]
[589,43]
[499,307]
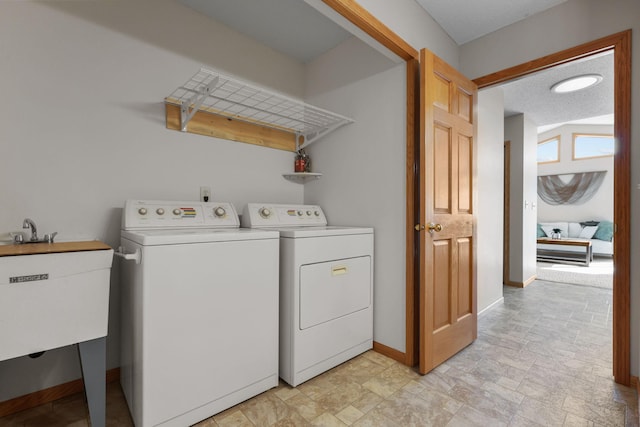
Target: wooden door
[448,313]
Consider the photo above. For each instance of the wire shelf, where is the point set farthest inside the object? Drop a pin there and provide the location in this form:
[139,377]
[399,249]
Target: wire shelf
[223,95]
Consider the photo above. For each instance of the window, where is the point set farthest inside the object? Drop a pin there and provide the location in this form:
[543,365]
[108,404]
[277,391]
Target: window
[591,146]
[549,150]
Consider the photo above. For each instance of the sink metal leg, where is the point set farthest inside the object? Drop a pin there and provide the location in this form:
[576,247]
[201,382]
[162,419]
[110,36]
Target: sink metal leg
[93,359]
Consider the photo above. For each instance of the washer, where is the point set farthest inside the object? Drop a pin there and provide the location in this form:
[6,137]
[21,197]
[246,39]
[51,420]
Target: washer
[326,288]
[199,311]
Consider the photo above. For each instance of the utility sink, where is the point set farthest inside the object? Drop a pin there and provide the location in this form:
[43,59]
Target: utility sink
[52,295]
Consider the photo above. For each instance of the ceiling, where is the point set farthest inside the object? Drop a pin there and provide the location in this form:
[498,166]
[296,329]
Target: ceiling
[291,27]
[301,32]
[532,94]
[466,20]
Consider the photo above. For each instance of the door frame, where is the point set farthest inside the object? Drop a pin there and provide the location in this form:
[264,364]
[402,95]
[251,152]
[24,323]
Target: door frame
[620,44]
[506,227]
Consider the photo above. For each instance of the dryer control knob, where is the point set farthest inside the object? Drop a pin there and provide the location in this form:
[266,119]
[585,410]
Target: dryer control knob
[317,213]
[142,211]
[299,213]
[160,211]
[265,212]
[219,212]
[177,211]
[308,213]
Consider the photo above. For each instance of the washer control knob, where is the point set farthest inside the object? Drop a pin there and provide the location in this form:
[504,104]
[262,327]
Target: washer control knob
[308,213]
[265,212]
[317,213]
[160,211]
[142,211]
[299,213]
[219,212]
[177,211]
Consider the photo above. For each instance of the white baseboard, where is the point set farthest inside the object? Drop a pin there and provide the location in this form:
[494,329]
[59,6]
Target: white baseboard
[493,304]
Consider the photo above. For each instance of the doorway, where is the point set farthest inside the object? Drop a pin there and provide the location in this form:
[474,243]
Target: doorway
[620,44]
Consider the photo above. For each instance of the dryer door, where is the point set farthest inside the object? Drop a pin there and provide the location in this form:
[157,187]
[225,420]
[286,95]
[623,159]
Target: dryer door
[333,289]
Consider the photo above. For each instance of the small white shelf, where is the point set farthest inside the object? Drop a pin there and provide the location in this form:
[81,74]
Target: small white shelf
[231,98]
[301,177]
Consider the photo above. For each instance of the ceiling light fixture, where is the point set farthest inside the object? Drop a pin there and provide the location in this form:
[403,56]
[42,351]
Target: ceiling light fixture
[576,83]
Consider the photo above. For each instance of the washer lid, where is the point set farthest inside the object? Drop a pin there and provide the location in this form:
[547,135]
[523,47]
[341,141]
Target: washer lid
[302,232]
[195,235]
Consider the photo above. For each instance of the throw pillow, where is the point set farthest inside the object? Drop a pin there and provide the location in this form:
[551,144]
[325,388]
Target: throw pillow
[605,231]
[589,223]
[588,232]
[541,232]
[563,226]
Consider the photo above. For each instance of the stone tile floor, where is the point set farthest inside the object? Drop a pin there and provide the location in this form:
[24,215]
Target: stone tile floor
[541,358]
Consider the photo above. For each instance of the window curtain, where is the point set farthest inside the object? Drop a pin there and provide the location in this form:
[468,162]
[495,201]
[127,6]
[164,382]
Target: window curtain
[578,190]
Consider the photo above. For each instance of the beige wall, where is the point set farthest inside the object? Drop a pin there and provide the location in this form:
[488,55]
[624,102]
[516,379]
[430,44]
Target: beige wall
[86,81]
[83,130]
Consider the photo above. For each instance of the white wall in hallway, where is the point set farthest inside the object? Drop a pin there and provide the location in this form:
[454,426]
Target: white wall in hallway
[490,201]
[567,25]
[521,131]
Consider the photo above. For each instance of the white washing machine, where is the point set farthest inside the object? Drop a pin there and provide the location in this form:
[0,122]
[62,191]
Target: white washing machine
[199,313]
[326,288]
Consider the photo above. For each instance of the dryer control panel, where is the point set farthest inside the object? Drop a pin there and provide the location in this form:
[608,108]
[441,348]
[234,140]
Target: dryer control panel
[265,215]
[147,214]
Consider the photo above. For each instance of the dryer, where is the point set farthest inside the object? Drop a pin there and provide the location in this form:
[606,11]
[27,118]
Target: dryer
[199,311]
[326,288]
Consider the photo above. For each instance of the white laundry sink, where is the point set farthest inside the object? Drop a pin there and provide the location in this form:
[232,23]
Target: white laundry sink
[52,295]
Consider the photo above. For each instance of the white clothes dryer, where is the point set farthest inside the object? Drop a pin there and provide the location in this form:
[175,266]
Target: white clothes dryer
[199,312]
[326,288]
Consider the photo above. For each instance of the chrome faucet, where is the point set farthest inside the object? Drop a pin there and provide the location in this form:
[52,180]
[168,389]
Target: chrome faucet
[28,223]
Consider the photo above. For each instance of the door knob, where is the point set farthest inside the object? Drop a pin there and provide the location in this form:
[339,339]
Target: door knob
[419,227]
[434,227]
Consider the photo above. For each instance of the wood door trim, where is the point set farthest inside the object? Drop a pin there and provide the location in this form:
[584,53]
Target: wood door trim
[371,25]
[551,60]
[412,285]
[50,394]
[620,43]
[506,244]
[368,23]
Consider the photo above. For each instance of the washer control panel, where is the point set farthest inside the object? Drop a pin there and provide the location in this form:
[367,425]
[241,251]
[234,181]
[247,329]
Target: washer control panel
[262,215]
[140,214]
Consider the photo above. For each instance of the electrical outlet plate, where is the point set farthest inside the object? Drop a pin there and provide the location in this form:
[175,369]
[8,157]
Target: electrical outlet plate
[205,194]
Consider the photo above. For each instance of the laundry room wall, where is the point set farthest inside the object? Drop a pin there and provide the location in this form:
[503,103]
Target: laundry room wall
[83,129]
[564,26]
[363,182]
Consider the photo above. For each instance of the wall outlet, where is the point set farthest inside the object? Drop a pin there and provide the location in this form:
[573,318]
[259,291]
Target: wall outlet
[205,194]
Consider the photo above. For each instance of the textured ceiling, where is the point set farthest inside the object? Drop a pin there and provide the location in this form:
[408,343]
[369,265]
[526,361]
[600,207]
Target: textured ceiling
[532,95]
[466,20]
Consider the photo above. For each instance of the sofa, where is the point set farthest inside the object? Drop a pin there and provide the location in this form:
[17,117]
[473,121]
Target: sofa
[600,233]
